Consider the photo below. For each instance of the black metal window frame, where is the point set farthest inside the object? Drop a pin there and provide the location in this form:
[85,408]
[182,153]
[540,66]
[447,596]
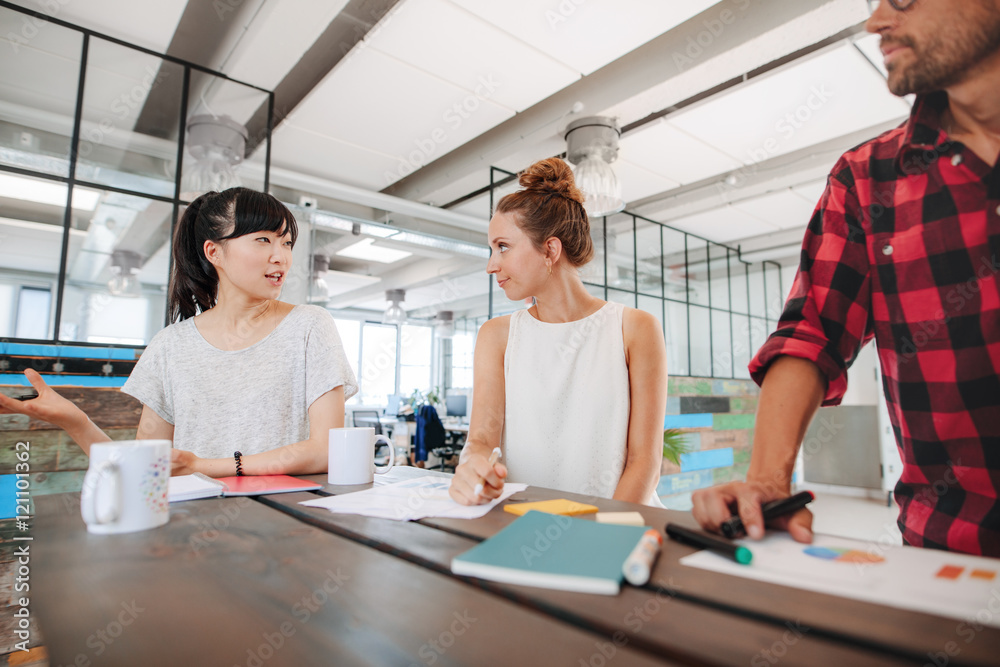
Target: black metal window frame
[499,177]
[71,181]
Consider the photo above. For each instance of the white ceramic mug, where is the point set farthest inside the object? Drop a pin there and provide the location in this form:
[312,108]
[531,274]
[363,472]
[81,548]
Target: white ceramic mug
[352,455]
[125,488]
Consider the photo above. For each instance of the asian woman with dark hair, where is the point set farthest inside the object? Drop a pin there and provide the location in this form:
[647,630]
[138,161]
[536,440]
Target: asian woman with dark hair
[238,370]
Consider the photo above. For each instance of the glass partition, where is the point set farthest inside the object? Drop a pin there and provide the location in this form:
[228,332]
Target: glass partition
[649,258]
[116,274]
[131,120]
[32,214]
[86,227]
[39,76]
[621,253]
[219,111]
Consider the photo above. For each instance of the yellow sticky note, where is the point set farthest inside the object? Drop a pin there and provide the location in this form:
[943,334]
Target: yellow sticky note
[623,518]
[557,506]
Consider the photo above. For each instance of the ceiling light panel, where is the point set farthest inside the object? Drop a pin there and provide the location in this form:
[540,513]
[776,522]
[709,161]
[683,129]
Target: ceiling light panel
[479,207]
[869,46]
[585,35]
[459,187]
[341,282]
[811,192]
[816,100]
[276,39]
[723,225]
[309,152]
[461,48]
[638,182]
[46,192]
[148,24]
[783,209]
[390,107]
[447,290]
[366,250]
[118,82]
[668,152]
[700,75]
[35,246]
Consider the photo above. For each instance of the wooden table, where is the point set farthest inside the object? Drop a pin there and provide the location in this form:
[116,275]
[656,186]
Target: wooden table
[266,581]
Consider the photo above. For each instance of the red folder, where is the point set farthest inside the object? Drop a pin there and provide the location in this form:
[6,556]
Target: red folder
[258,485]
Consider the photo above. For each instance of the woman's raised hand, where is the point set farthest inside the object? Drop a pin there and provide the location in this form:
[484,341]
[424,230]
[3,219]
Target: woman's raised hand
[48,407]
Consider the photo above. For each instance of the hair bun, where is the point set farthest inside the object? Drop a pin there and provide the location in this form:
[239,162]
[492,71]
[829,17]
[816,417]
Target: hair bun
[551,176]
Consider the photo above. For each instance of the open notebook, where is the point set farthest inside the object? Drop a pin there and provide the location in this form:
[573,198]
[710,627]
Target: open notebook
[189,487]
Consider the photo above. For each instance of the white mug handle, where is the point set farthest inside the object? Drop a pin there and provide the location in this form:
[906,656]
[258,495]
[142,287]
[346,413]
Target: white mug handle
[88,501]
[381,470]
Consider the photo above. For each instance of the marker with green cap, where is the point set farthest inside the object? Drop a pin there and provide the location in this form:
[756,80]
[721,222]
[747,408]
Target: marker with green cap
[697,538]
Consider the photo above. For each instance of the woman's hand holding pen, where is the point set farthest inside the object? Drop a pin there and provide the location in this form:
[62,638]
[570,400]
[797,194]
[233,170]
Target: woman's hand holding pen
[477,479]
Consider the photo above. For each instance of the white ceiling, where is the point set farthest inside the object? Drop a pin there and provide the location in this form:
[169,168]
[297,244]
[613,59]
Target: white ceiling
[435,76]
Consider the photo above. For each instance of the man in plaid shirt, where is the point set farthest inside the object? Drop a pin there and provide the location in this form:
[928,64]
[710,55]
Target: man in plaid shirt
[904,247]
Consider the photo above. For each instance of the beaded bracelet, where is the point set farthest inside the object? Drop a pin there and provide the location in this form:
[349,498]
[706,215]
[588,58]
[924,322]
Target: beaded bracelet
[239,463]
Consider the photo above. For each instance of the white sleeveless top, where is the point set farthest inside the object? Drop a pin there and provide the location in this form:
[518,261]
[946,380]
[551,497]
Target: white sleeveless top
[567,402]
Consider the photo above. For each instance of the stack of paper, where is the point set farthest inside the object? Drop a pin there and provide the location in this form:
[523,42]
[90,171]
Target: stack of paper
[410,500]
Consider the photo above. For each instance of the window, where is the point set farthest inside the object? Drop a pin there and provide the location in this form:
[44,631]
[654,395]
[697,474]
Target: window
[350,336]
[33,306]
[414,359]
[85,224]
[462,350]
[378,363]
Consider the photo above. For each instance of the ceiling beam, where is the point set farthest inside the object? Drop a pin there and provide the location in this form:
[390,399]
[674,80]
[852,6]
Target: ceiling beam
[205,34]
[347,29]
[754,180]
[630,75]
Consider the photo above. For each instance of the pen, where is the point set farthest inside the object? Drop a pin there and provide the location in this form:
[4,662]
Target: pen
[708,541]
[639,563]
[27,397]
[494,457]
[733,526]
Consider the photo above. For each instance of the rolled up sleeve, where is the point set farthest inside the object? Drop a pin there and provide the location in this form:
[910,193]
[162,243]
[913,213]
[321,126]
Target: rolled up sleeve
[827,318]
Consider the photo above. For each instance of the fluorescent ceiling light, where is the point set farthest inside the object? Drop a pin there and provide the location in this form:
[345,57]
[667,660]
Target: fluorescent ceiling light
[46,192]
[342,224]
[373,253]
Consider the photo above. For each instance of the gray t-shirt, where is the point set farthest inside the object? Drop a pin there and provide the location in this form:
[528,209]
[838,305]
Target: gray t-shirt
[252,400]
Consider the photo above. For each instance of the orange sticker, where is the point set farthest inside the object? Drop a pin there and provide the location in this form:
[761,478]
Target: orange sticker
[987,575]
[949,572]
[855,556]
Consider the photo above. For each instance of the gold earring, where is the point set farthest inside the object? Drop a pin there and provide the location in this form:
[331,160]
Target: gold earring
[548,265]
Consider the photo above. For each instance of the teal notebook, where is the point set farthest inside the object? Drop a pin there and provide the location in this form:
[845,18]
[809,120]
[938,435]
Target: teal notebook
[553,551]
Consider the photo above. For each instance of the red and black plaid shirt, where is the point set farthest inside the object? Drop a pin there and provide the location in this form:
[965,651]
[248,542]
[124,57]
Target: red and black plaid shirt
[904,246]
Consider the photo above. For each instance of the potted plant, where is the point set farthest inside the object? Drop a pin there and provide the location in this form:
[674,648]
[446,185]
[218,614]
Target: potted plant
[674,444]
[430,397]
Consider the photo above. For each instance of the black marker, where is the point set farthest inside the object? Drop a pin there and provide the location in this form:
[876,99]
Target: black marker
[733,526]
[696,538]
[27,397]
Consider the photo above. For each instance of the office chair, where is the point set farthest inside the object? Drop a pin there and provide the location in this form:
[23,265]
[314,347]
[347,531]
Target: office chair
[367,418]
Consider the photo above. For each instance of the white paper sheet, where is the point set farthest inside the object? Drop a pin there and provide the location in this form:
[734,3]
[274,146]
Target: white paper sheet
[398,474]
[409,500]
[928,580]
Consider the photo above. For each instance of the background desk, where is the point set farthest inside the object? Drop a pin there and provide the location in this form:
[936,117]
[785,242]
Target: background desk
[229,579]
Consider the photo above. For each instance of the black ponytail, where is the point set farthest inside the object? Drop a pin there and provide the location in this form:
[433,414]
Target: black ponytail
[217,216]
